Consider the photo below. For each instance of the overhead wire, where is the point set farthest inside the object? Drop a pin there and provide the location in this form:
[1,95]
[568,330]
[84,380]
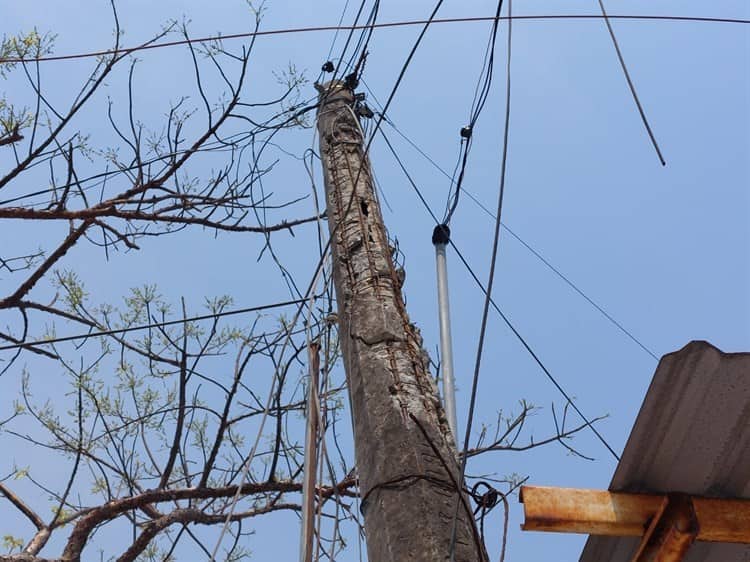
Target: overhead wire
[403,23]
[633,92]
[494,305]
[427,22]
[400,76]
[479,283]
[487,290]
[490,277]
[209,147]
[530,248]
[588,299]
[481,93]
[128,329]
[338,26]
[537,254]
[352,29]
[360,50]
[488,299]
[537,359]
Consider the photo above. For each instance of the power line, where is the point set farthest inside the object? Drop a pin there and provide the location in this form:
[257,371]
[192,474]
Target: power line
[584,295]
[153,325]
[351,29]
[493,263]
[212,147]
[528,246]
[536,358]
[481,93]
[631,85]
[363,42]
[502,315]
[409,178]
[494,305]
[531,249]
[400,76]
[208,39]
[336,35]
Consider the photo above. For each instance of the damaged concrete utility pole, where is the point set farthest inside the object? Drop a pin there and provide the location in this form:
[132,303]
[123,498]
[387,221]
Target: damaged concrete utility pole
[405,454]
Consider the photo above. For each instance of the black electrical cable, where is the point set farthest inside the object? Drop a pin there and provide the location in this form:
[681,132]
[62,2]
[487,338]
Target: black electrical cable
[360,50]
[481,93]
[338,26]
[401,74]
[533,250]
[490,279]
[128,50]
[631,85]
[536,358]
[495,306]
[154,324]
[349,37]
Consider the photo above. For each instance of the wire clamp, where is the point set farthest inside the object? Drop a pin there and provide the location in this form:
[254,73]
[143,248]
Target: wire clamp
[441,235]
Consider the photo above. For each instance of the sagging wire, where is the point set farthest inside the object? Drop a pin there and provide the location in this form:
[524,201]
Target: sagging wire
[352,78]
[335,37]
[536,253]
[491,277]
[115,331]
[497,309]
[392,24]
[636,99]
[481,93]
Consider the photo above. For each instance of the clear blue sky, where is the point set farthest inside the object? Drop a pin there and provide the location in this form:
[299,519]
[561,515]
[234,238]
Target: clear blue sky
[665,250]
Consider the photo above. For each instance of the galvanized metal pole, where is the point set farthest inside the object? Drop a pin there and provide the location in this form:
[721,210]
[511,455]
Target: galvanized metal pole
[440,238]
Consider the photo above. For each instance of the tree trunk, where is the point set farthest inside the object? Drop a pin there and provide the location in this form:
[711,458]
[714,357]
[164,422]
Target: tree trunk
[405,454]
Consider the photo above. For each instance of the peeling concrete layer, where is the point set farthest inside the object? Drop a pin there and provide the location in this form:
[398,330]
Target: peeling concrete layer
[404,450]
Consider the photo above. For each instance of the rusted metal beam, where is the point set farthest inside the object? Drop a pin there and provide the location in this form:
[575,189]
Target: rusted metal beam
[594,512]
[671,531]
[598,512]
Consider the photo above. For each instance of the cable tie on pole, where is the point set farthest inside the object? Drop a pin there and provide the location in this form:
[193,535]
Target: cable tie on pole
[441,234]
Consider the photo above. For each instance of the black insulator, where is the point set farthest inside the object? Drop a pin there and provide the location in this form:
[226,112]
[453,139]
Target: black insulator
[327,66]
[466,132]
[441,234]
[359,96]
[364,111]
[351,81]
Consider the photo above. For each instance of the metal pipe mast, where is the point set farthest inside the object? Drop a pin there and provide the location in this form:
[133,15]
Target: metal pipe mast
[440,238]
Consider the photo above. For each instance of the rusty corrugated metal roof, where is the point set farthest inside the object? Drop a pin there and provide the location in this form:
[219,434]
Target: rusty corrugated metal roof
[692,435]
